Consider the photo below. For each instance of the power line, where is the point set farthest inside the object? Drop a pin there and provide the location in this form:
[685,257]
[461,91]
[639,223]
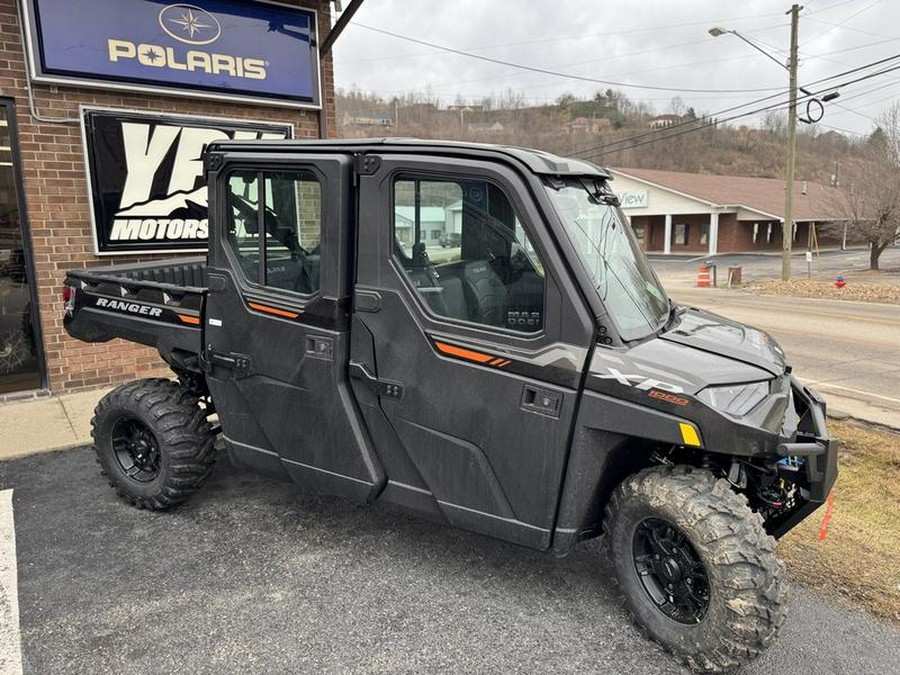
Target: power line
[838,25]
[506,74]
[605,149]
[627,145]
[666,130]
[828,8]
[855,70]
[666,27]
[843,21]
[581,78]
[845,131]
[760,100]
[855,112]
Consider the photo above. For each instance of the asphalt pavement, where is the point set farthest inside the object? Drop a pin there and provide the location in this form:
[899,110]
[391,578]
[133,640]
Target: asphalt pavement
[253,576]
[847,350]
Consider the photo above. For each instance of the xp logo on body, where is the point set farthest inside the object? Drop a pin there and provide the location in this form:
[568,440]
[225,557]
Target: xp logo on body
[190,24]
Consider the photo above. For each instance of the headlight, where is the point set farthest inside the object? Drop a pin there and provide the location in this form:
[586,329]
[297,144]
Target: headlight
[735,399]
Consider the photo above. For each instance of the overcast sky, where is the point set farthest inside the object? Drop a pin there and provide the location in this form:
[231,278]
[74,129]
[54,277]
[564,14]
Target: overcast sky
[653,43]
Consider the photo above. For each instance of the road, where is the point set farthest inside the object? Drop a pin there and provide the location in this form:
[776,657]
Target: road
[849,351]
[253,577]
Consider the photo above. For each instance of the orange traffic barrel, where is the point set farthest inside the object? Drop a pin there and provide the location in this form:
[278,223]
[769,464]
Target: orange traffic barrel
[703,276]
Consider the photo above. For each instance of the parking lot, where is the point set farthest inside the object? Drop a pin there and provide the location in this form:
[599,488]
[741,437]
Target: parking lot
[252,576]
[757,267]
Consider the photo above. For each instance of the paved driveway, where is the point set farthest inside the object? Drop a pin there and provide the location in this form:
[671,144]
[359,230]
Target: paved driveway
[253,577]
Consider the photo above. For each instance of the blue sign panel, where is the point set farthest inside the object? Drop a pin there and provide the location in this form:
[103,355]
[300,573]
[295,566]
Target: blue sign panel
[258,50]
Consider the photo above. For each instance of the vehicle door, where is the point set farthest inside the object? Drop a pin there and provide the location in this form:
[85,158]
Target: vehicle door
[277,323]
[466,358]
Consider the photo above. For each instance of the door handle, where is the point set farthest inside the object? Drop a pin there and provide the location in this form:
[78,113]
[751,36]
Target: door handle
[388,388]
[320,347]
[239,363]
[543,401]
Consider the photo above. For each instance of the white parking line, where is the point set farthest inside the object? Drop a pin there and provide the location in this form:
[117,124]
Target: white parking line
[10,641]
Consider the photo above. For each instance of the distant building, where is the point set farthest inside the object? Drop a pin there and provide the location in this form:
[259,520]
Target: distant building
[434,222]
[590,125]
[674,212]
[486,127]
[663,121]
[367,119]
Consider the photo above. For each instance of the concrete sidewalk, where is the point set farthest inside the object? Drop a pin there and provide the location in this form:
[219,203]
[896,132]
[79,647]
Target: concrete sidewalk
[47,423]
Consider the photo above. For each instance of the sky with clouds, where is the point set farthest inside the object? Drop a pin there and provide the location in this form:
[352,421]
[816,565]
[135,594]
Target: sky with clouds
[652,50]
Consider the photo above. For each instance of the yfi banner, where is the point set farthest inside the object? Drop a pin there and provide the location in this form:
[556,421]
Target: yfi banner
[146,178]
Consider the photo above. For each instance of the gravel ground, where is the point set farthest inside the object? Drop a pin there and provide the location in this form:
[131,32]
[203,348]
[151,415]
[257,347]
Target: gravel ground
[864,286]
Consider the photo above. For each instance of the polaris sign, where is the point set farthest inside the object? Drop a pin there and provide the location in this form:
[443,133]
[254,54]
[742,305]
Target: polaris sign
[145,172]
[250,51]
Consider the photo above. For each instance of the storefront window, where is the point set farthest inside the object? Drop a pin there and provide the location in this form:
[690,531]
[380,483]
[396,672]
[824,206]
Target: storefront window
[640,233]
[19,365]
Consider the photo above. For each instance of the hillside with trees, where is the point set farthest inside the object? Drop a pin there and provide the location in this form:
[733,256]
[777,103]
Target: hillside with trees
[609,129]
[612,130]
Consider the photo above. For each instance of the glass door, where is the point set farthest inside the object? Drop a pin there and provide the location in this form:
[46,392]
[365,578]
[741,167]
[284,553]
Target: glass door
[21,360]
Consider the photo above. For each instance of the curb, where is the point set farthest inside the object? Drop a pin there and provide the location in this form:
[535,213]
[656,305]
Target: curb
[841,416]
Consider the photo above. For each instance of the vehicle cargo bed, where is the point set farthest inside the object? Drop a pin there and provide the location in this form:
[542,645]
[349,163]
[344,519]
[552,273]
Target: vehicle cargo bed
[159,304]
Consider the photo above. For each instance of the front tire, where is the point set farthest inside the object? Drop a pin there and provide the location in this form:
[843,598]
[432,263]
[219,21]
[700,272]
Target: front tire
[153,442]
[695,566]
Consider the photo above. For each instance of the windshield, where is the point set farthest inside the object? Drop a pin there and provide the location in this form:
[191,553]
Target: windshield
[611,255]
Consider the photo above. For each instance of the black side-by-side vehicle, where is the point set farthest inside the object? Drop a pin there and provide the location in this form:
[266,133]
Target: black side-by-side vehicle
[527,378]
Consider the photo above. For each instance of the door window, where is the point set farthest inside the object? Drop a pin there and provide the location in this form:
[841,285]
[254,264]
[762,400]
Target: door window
[20,367]
[288,213]
[465,251]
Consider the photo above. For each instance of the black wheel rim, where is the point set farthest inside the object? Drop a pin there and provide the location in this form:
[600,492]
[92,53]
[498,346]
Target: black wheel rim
[136,449]
[671,572]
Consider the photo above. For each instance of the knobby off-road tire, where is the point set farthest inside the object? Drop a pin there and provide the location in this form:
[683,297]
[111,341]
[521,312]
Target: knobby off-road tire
[153,442]
[667,524]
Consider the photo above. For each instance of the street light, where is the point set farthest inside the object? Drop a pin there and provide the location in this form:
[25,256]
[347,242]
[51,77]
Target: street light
[716,31]
[788,227]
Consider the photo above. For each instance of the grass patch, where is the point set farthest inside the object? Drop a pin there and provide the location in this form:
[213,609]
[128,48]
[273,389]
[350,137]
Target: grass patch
[859,561]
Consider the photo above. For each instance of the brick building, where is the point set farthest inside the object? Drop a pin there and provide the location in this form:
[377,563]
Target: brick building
[674,212]
[48,212]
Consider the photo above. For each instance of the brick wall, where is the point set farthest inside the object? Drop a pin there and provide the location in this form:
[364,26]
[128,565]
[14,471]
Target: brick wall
[734,235]
[695,225]
[58,208]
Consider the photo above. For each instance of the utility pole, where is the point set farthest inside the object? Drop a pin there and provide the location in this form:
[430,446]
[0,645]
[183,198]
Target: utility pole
[787,233]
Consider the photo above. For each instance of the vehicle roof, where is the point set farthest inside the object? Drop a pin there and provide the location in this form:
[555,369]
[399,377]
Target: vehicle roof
[537,161]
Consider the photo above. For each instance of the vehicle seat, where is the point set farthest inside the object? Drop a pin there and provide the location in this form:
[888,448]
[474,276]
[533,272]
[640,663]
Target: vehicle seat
[485,293]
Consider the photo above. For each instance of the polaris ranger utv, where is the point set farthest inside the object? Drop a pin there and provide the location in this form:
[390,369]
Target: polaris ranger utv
[533,383]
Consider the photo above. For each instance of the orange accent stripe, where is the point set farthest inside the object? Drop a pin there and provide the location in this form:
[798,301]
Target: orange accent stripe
[504,364]
[190,319]
[452,350]
[496,362]
[273,310]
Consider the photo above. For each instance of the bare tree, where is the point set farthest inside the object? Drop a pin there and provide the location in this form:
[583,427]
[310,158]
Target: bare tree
[872,200]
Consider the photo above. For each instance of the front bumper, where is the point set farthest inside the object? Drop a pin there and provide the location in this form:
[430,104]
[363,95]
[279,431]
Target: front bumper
[816,448]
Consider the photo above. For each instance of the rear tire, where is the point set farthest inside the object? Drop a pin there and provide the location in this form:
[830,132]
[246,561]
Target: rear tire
[153,442]
[695,565]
